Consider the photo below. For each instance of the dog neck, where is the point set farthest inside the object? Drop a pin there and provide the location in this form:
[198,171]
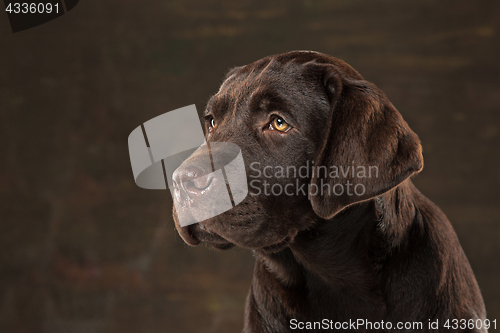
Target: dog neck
[343,256]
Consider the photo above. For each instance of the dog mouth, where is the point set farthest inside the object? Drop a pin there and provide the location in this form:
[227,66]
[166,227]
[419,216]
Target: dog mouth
[197,233]
[200,232]
[216,234]
[204,232]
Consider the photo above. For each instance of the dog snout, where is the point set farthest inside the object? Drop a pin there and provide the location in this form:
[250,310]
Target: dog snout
[190,182]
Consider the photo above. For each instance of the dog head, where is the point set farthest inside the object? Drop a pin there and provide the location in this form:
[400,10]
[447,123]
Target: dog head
[315,137]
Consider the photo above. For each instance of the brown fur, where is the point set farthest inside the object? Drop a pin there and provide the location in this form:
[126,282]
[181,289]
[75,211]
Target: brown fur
[389,254]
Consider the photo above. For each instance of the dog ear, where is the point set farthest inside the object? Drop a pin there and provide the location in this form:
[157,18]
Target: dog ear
[367,147]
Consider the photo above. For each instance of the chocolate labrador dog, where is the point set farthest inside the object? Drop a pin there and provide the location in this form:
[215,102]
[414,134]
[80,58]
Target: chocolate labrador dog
[343,240]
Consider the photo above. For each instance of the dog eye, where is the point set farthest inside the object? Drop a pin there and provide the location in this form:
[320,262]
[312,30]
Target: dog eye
[279,124]
[210,123]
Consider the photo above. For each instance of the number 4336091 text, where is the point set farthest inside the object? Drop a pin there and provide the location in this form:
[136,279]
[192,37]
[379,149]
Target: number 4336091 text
[32,8]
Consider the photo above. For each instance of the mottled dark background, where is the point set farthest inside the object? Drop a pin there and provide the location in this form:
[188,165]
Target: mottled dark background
[83,249]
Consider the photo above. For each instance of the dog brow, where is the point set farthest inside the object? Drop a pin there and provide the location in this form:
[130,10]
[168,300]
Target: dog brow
[218,104]
[266,98]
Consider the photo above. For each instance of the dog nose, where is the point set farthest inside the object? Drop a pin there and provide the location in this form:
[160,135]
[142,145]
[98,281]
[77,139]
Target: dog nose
[190,182]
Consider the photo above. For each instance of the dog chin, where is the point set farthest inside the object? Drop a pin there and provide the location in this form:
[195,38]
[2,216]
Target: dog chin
[210,239]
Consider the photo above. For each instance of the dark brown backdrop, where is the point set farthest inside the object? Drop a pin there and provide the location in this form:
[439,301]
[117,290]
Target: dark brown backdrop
[82,249]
